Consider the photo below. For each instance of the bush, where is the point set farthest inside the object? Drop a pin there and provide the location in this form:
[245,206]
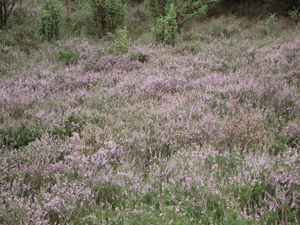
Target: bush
[80,20]
[50,19]
[270,19]
[169,16]
[166,29]
[73,123]
[68,57]
[18,137]
[156,8]
[121,43]
[170,26]
[294,14]
[20,37]
[107,15]
[18,16]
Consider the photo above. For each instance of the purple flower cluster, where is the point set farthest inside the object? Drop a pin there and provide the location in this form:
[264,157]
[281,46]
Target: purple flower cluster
[156,131]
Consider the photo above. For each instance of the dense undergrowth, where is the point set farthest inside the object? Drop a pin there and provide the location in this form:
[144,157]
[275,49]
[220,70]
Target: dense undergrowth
[206,132]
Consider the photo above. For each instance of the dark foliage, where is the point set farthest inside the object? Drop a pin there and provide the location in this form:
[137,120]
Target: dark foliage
[6,7]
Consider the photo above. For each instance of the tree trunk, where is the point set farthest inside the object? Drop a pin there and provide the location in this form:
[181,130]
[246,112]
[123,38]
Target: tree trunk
[5,10]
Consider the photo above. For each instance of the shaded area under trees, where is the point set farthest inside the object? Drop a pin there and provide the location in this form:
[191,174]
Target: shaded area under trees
[6,7]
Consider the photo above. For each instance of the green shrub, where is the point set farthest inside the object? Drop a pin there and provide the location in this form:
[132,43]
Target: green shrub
[108,193]
[73,123]
[156,9]
[166,29]
[18,16]
[294,14]
[68,57]
[121,43]
[270,19]
[108,16]
[17,137]
[170,26]
[188,37]
[168,16]
[80,20]
[20,37]
[50,16]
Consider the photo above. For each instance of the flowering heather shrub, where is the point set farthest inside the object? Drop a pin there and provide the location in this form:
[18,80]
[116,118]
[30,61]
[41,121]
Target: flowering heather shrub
[155,135]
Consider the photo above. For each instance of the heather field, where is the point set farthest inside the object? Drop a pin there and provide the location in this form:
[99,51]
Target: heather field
[206,132]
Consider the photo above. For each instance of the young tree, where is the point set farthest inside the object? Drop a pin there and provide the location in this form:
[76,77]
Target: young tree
[166,12]
[188,9]
[170,26]
[108,15]
[50,16]
[156,8]
[185,9]
[166,29]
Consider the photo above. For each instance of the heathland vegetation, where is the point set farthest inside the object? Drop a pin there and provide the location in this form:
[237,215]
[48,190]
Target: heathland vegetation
[149,112]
